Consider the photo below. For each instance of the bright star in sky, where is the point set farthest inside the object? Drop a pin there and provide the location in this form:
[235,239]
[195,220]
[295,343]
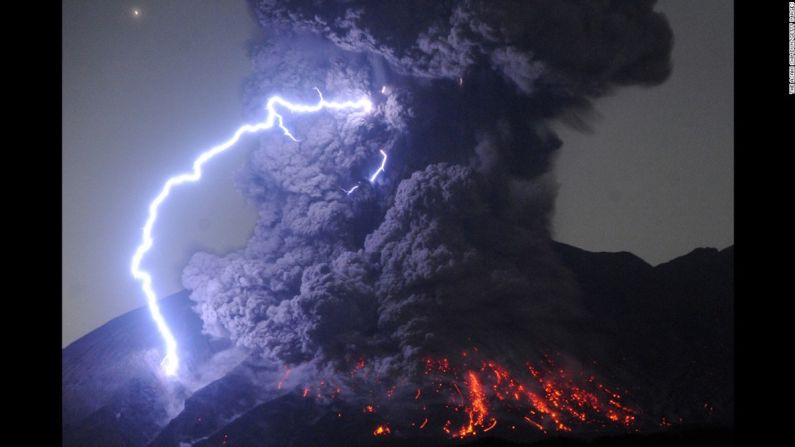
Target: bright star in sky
[136,12]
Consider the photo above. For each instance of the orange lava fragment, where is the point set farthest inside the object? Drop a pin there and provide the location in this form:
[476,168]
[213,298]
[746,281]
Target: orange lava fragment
[382,430]
[280,385]
[539,426]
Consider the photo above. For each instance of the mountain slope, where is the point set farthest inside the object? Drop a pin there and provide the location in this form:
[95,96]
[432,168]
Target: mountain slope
[668,330]
[111,392]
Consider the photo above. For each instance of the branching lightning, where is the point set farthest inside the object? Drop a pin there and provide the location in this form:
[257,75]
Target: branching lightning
[372,178]
[170,362]
[380,168]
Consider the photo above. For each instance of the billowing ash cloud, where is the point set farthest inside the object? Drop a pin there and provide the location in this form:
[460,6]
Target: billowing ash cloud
[450,248]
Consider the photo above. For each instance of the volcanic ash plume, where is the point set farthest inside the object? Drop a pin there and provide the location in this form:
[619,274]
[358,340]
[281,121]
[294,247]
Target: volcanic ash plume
[448,251]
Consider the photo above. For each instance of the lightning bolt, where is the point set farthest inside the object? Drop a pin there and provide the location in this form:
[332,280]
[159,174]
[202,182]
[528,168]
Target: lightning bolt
[349,191]
[170,363]
[380,168]
[373,177]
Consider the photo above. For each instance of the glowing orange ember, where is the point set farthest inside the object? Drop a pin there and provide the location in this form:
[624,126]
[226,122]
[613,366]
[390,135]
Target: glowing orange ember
[280,385]
[551,398]
[477,409]
[382,430]
[477,395]
[538,426]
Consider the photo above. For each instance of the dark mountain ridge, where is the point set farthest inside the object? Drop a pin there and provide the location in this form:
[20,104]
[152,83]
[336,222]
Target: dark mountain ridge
[671,325]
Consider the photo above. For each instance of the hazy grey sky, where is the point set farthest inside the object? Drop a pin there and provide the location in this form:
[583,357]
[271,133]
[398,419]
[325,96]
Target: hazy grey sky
[656,178]
[143,94]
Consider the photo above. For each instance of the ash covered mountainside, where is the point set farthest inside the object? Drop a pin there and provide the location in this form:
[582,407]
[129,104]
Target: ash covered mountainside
[664,334]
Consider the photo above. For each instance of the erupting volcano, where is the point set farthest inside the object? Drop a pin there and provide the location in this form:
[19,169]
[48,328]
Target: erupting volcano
[421,301]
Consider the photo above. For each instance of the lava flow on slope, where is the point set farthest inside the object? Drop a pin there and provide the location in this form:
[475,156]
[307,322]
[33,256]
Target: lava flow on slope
[470,395]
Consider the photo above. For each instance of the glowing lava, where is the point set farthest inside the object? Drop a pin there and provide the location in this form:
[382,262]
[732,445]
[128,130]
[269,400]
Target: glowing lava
[170,362]
[382,430]
[471,395]
[476,410]
[548,398]
[555,400]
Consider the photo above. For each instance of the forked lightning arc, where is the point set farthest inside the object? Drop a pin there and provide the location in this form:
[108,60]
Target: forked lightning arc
[170,362]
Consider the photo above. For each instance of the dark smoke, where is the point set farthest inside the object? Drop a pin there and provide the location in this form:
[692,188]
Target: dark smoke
[451,247]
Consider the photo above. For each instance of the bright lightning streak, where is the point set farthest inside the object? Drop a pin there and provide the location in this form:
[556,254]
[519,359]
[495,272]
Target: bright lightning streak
[170,362]
[372,177]
[380,168]
[349,191]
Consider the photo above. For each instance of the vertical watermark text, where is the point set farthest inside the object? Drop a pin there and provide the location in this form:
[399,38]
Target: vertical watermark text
[792,48]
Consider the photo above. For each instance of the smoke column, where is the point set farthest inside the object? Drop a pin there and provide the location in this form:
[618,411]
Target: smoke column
[453,249]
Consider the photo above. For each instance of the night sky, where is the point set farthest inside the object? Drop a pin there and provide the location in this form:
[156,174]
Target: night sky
[146,85]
